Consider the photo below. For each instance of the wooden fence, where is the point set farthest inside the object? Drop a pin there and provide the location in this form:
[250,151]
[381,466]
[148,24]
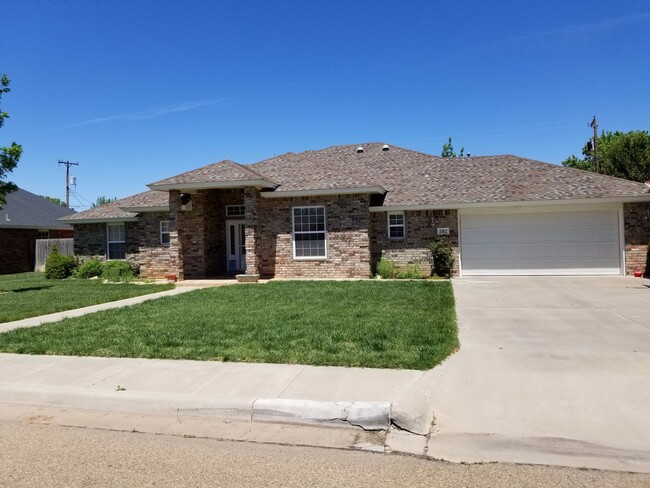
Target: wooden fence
[44,247]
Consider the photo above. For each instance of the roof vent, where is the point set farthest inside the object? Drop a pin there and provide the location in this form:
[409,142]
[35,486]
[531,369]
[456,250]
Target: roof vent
[360,149]
[385,147]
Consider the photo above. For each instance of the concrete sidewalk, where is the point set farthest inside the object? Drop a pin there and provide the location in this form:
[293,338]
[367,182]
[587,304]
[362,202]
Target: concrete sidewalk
[78,312]
[370,398]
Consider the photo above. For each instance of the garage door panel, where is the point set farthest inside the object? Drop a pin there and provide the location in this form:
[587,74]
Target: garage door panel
[537,243]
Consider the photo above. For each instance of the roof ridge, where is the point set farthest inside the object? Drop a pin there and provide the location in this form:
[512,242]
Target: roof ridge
[246,168]
[194,170]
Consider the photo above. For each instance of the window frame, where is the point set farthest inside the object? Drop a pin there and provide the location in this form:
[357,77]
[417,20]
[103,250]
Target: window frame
[109,242]
[390,226]
[293,233]
[231,216]
[168,232]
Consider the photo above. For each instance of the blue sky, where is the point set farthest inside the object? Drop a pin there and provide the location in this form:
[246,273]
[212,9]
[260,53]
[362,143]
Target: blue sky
[136,91]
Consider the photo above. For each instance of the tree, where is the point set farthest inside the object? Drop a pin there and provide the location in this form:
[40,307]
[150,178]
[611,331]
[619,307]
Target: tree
[621,154]
[102,201]
[58,201]
[448,150]
[9,155]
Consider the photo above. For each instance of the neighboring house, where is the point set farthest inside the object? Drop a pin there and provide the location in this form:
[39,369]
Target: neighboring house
[333,213]
[23,219]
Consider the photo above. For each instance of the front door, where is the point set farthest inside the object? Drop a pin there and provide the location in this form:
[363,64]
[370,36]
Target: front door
[236,245]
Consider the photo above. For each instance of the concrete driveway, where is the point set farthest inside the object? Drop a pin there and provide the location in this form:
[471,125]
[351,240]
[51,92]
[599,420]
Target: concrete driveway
[550,370]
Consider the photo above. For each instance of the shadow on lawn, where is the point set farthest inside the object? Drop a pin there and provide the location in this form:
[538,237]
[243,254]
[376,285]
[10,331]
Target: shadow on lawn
[31,288]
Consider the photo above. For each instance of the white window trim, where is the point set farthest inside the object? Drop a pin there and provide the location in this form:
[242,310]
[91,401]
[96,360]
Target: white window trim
[293,234]
[166,244]
[238,215]
[109,242]
[402,225]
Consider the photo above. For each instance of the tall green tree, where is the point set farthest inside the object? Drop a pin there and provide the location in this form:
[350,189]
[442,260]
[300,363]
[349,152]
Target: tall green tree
[58,201]
[102,201]
[621,154]
[448,150]
[9,155]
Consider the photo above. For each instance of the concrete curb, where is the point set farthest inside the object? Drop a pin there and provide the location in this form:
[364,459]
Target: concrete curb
[413,411]
[367,415]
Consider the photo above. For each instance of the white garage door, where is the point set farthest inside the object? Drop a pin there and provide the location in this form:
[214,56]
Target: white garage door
[541,243]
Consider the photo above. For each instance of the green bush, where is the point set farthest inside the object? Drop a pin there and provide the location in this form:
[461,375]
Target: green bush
[90,269]
[58,266]
[412,272]
[443,257]
[118,271]
[386,268]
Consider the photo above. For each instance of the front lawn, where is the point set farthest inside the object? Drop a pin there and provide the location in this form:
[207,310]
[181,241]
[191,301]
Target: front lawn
[31,294]
[376,324]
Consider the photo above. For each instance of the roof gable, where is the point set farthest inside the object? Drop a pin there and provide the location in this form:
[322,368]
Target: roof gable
[114,210]
[224,174]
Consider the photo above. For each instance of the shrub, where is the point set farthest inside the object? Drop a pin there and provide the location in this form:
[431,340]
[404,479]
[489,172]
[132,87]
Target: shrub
[386,268]
[443,257]
[58,266]
[118,271]
[412,272]
[90,269]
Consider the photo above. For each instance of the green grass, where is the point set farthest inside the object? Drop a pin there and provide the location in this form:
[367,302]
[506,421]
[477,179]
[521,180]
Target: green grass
[31,294]
[365,323]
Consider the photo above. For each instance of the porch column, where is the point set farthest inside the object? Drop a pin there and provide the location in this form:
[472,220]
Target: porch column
[251,203]
[175,245]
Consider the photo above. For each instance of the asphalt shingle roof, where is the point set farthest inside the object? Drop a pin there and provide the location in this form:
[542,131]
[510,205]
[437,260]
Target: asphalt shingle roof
[415,178]
[113,211]
[223,171]
[409,178]
[25,209]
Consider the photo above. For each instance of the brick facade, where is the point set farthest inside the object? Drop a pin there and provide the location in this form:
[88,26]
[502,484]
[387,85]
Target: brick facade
[17,250]
[421,230]
[636,218]
[356,238]
[198,232]
[348,246]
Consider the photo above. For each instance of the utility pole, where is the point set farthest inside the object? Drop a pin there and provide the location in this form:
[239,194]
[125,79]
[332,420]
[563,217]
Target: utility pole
[67,180]
[594,124]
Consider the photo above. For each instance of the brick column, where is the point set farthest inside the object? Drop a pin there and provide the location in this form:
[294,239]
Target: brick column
[251,202]
[175,244]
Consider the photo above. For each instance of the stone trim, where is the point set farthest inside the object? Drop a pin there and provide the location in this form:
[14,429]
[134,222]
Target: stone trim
[636,226]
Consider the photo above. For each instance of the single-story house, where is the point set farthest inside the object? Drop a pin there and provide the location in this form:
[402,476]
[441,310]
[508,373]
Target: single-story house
[23,219]
[335,212]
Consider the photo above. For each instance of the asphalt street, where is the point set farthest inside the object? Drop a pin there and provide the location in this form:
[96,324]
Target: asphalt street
[55,456]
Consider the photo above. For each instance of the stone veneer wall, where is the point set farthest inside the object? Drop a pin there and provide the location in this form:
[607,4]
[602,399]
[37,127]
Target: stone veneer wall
[155,259]
[269,240]
[420,229]
[90,241]
[636,219]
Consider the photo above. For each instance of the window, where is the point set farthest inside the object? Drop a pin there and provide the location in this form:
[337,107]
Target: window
[43,234]
[309,232]
[116,241]
[235,210]
[396,226]
[164,232]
